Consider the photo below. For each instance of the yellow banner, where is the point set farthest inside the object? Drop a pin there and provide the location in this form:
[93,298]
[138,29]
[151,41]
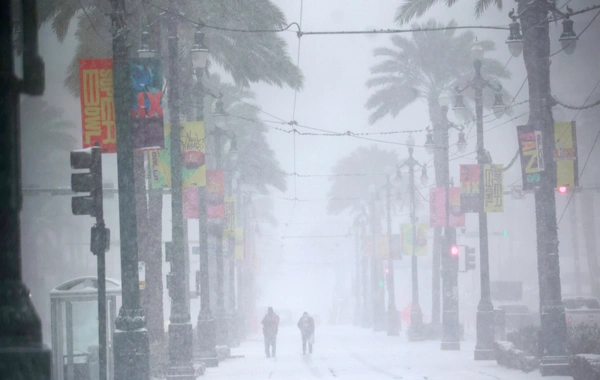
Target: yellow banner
[229,217]
[565,154]
[407,239]
[239,243]
[493,188]
[193,157]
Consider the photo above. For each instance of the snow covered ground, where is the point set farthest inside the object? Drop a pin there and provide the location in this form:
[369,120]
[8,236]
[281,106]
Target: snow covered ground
[355,353]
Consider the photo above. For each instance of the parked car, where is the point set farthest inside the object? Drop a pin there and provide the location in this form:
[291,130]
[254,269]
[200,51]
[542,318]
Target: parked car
[582,310]
[516,316]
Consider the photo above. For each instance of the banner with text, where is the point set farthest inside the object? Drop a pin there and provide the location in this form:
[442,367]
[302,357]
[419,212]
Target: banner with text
[406,236]
[96,93]
[229,217]
[437,204]
[469,188]
[565,154]
[192,150]
[493,188]
[146,107]
[215,194]
[532,160]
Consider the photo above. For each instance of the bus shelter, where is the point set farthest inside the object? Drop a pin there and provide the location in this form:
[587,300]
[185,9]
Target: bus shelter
[74,323]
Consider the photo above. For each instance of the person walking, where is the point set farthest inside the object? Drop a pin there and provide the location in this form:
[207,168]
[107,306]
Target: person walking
[270,327]
[306,324]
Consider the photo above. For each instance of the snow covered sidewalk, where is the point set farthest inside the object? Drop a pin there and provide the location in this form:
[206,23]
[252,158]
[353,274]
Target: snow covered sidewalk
[354,353]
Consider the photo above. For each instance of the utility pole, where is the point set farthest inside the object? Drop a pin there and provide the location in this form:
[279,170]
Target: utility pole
[131,351]
[484,349]
[180,326]
[233,338]
[23,354]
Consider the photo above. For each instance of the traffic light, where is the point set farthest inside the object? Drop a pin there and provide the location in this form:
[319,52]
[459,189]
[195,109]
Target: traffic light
[563,189]
[470,258]
[454,250]
[87,182]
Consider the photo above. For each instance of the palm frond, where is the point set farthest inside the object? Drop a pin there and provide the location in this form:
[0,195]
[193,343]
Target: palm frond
[411,9]
[482,5]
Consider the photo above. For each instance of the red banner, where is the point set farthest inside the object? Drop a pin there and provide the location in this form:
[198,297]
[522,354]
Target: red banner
[437,202]
[190,203]
[97,104]
[215,194]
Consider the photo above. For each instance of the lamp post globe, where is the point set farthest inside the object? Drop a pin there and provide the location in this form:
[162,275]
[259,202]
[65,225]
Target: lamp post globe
[424,177]
[429,144]
[199,50]
[461,145]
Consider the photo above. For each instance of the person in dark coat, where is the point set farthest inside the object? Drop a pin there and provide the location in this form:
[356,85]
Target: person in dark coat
[270,328]
[306,324]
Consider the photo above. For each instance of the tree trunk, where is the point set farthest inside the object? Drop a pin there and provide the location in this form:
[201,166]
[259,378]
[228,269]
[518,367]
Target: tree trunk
[536,50]
[589,233]
[440,180]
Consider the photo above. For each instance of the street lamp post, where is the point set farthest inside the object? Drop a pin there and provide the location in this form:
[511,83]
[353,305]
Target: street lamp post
[180,326]
[535,45]
[359,224]
[206,325]
[131,347]
[484,349]
[416,315]
[233,316]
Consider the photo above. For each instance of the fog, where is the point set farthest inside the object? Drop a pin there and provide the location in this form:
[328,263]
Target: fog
[306,260]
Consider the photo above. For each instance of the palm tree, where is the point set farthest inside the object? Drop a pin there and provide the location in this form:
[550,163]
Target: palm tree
[247,57]
[354,174]
[419,69]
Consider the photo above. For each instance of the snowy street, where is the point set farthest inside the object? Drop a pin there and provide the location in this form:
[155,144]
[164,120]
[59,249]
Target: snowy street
[355,353]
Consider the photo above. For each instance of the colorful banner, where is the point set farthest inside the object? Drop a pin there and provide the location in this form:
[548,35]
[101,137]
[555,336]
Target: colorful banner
[532,160]
[97,104]
[469,188]
[382,246]
[437,204]
[190,203]
[215,194]
[192,150]
[146,107]
[239,243]
[406,236]
[493,188]
[565,154]
[229,229]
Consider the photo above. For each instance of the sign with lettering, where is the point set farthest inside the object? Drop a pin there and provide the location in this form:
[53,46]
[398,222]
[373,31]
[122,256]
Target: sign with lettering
[470,200]
[493,188]
[97,104]
[437,207]
[532,160]
[565,154]
[192,149]
[146,109]
[406,235]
